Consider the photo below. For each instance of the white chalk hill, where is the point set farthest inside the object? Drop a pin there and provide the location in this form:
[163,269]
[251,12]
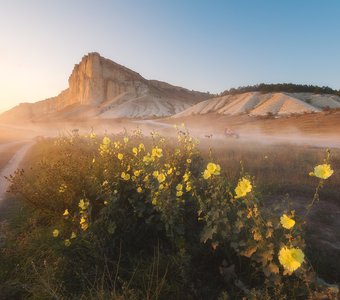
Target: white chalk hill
[259,104]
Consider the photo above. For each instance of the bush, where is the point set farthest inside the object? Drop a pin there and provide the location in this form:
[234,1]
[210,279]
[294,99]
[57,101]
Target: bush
[128,217]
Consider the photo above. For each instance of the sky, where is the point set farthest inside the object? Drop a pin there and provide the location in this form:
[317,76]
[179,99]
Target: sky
[200,45]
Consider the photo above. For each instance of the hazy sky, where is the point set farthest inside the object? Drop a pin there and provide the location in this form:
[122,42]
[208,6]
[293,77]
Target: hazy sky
[201,45]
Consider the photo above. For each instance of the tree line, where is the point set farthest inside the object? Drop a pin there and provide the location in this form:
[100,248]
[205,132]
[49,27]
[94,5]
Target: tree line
[281,87]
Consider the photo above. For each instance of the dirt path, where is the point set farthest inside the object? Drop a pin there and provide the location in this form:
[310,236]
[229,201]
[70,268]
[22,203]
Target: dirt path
[8,145]
[12,165]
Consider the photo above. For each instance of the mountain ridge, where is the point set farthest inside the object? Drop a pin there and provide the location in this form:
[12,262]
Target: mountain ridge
[100,88]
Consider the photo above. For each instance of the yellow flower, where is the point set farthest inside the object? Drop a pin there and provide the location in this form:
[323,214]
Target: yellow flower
[73,235]
[67,242]
[106,141]
[154,201]
[291,259]
[214,169]
[179,193]
[120,156]
[62,188]
[169,171]
[141,147]
[92,135]
[161,186]
[189,161]
[139,190]
[66,213]
[83,204]
[186,177]
[161,178]
[137,173]
[104,148]
[146,178]
[188,187]
[287,222]
[243,188]
[155,173]
[322,171]
[55,233]
[157,152]
[206,174]
[211,167]
[83,223]
[134,150]
[126,139]
[125,176]
[179,187]
[147,158]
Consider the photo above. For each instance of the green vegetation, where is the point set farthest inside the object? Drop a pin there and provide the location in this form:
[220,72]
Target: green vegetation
[130,217]
[281,87]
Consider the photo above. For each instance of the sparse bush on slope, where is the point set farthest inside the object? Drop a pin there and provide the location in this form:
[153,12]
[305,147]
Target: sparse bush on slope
[125,217]
[282,87]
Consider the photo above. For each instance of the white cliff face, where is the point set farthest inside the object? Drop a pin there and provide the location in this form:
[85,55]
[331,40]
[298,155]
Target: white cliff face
[95,80]
[86,84]
[99,84]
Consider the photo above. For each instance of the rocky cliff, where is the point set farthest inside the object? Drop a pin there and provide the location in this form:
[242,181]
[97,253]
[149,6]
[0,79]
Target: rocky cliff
[101,88]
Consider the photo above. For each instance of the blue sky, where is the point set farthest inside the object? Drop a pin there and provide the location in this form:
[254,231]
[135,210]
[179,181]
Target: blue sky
[201,45]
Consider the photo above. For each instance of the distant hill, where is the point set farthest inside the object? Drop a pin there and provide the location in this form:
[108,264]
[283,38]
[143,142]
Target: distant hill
[101,88]
[262,104]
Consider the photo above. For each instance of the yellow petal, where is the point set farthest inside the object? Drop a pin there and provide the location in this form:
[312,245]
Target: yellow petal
[287,222]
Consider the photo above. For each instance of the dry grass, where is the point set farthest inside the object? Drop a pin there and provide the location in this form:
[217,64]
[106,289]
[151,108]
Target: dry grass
[278,169]
[324,123]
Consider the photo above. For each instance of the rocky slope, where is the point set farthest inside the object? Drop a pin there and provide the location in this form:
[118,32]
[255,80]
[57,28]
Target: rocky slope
[101,88]
[258,104]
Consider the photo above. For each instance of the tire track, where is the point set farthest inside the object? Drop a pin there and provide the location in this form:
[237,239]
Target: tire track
[11,166]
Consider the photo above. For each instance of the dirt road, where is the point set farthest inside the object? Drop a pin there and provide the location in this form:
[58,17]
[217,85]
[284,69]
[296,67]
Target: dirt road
[12,164]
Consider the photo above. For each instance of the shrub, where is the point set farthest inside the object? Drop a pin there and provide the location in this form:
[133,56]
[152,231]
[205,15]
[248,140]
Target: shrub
[131,217]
